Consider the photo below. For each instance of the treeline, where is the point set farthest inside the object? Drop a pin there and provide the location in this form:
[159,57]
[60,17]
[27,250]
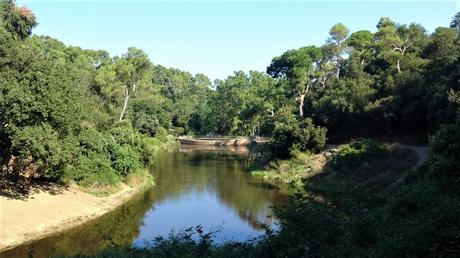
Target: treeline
[69,114]
[74,115]
[399,80]
[395,81]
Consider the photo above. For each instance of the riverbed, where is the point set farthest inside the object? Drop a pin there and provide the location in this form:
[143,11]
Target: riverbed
[194,185]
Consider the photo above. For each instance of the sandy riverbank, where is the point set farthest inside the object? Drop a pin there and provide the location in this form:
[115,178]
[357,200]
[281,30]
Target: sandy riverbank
[45,213]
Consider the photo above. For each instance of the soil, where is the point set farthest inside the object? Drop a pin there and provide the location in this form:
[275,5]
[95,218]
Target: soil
[46,212]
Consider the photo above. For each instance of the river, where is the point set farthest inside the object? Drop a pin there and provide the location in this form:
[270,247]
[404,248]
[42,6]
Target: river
[206,185]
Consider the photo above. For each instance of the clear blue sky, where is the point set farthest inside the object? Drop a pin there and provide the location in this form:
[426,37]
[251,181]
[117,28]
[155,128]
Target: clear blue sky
[217,38]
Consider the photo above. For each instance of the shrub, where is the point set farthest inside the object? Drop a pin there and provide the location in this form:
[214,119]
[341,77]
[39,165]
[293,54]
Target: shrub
[146,124]
[162,134]
[290,134]
[92,140]
[356,154]
[91,169]
[124,133]
[150,147]
[125,159]
[46,148]
[445,152]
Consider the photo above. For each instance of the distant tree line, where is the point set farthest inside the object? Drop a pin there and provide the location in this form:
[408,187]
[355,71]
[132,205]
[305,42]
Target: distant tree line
[73,115]
[400,80]
[396,81]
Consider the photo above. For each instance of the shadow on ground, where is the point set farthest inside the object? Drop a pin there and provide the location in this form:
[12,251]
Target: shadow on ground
[21,188]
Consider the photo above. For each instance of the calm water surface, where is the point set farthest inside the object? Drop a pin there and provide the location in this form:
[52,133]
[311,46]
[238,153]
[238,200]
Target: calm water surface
[205,185]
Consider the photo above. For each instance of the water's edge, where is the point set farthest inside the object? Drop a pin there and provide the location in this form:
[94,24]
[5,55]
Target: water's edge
[210,184]
[126,195]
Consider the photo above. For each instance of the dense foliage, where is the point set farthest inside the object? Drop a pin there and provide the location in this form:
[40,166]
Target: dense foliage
[356,154]
[74,115]
[399,81]
[290,135]
[59,107]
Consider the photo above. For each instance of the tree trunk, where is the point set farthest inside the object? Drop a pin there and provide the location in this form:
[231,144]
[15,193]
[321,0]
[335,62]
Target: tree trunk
[337,73]
[301,98]
[301,101]
[125,104]
[398,66]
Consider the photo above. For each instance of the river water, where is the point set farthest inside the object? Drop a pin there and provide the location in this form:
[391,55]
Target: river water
[206,185]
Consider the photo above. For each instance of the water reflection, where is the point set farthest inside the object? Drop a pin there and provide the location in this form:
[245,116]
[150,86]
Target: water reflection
[208,185]
[204,185]
[119,228]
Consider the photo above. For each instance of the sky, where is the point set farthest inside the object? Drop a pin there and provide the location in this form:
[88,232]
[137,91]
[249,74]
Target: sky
[219,37]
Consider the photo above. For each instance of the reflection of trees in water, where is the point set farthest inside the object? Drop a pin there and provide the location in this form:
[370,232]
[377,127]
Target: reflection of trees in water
[220,169]
[119,227]
[248,196]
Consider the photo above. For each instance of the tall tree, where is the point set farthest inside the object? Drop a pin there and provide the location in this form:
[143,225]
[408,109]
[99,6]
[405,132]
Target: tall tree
[392,46]
[361,42]
[395,41]
[125,74]
[336,45]
[302,70]
[455,23]
[18,20]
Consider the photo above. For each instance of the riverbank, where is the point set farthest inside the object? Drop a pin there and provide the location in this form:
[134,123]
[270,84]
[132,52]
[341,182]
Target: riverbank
[383,171]
[222,141]
[45,213]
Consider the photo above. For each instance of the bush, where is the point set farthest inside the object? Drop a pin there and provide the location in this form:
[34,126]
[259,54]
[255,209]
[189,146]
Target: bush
[356,154]
[146,124]
[45,148]
[124,133]
[290,134]
[125,159]
[162,134]
[150,147]
[445,152]
[93,169]
[92,140]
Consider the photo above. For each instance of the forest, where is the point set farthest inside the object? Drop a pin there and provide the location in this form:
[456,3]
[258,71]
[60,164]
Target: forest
[73,115]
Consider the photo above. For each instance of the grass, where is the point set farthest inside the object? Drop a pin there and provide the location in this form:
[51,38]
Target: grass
[293,171]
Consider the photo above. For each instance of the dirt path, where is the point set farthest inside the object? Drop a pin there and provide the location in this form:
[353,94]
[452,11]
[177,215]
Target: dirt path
[422,154]
[45,213]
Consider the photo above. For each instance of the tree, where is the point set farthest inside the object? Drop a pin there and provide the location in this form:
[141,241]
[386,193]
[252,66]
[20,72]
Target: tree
[17,20]
[392,46]
[126,73]
[455,24]
[260,101]
[361,42]
[184,95]
[396,41]
[336,45]
[290,134]
[301,68]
